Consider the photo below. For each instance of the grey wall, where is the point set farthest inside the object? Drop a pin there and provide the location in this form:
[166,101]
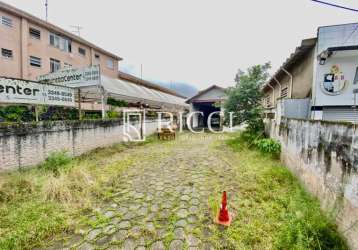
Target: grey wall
[23,145]
[324,155]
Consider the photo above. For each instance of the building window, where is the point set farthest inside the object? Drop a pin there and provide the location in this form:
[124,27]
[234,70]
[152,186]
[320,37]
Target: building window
[110,64]
[6,53]
[34,33]
[97,56]
[67,65]
[7,21]
[61,43]
[35,61]
[284,92]
[81,51]
[55,65]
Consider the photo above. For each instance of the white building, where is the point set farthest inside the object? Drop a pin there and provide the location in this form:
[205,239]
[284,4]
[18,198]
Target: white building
[334,95]
[319,80]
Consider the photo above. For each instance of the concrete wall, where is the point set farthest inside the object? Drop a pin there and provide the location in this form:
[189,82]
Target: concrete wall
[23,145]
[324,156]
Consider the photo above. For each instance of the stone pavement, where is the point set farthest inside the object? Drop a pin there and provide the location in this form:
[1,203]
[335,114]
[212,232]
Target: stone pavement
[164,203]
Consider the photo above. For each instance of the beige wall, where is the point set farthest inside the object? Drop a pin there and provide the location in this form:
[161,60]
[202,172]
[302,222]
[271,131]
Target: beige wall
[23,46]
[302,74]
[10,38]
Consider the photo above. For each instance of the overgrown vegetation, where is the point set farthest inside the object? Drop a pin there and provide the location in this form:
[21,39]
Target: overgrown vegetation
[55,161]
[16,113]
[51,199]
[244,100]
[268,146]
[292,217]
[22,113]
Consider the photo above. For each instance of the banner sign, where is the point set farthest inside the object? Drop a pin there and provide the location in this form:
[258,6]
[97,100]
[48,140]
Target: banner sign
[28,92]
[73,78]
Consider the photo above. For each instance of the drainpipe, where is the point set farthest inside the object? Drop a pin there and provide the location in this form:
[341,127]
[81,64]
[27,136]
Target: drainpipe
[279,84]
[278,118]
[291,81]
[273,94]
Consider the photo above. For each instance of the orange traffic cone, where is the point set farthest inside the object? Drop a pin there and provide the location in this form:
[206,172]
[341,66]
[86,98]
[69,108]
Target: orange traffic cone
[224,217]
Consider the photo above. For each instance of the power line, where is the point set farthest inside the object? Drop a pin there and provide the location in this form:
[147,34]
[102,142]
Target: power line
[335,5]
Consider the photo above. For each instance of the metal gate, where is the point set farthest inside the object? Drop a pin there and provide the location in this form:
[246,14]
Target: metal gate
[340,114]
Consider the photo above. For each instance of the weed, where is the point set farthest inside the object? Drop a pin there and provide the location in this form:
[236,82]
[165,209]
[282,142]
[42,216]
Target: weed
[55,161]
[268,146]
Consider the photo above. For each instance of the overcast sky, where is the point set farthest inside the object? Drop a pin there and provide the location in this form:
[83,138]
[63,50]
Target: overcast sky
[201,42]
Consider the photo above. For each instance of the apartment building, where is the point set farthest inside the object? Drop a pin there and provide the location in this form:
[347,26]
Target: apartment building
[31,47]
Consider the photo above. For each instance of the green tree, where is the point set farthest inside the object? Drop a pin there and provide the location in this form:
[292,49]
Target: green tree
[244,100]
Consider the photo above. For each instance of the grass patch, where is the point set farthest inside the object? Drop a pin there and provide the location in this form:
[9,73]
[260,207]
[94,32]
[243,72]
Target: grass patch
[275,210]
[55,198]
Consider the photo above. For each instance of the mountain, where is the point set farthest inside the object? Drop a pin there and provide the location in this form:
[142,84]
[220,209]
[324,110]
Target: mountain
[181,88]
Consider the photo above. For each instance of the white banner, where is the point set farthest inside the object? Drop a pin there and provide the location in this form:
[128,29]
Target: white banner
[28,92]
[72,77]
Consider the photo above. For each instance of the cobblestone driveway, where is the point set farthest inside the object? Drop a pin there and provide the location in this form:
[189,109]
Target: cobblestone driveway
[164,203]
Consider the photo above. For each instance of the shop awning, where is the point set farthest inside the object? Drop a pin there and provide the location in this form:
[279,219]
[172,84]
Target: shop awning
[132,93]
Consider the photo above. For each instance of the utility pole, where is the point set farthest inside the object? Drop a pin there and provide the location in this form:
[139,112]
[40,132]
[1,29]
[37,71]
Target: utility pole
[141,71]
[46,7]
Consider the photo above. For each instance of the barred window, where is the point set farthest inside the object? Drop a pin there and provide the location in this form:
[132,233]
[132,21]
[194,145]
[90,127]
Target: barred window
[6,53]
[7,21]
[284,92]
[35,61]
[34,33]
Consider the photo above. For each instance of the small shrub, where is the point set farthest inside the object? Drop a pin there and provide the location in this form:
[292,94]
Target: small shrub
[268,146]
[111,114]
[15,189]
[55,161]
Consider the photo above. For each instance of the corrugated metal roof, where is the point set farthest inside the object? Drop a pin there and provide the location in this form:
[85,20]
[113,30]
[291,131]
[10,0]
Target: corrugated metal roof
[136,80]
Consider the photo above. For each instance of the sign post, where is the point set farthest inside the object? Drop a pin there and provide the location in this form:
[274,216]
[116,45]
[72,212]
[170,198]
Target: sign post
[79,105]
[103,100]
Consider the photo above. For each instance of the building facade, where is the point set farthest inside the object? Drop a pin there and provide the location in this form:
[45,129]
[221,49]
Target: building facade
[288,91]
[320,79]
[207,103]
[31,47]
[336,80]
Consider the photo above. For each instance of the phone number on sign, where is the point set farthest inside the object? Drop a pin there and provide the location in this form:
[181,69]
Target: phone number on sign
[59,93]
[60,99]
